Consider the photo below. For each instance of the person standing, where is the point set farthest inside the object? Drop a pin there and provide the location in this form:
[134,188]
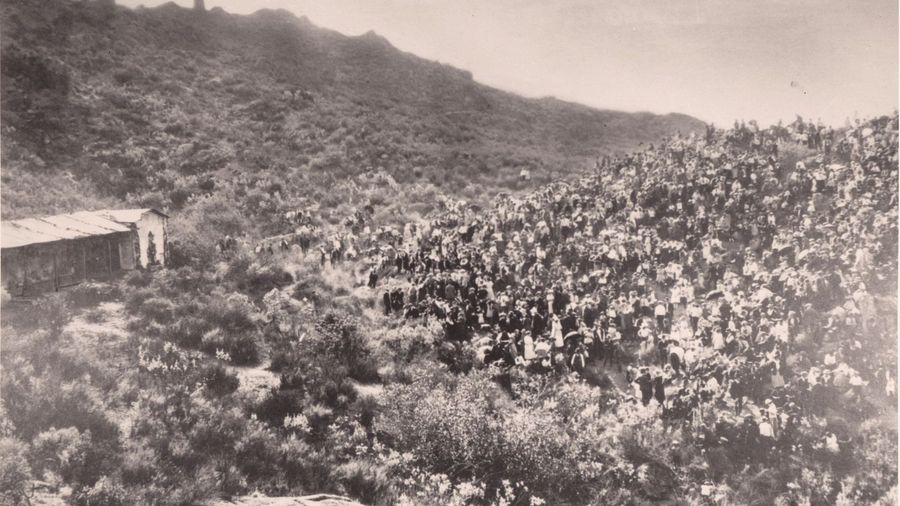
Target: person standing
[676,357]
[645,382]
[659,389]
[695,311]
[386,300]
[660,313]
[556,333]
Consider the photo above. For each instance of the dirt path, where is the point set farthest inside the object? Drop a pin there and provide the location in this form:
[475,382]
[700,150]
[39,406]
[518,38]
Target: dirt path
[108,318]
[371,390]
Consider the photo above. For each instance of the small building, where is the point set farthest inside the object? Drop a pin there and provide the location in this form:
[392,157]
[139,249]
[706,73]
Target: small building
[39,255]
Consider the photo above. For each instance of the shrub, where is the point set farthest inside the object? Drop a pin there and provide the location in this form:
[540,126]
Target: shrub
[92,294]
[233,328]
[466,426]
[60,452]
[49,312]
[189,331]
[136,299]
[408,342]
[218,380]
[15,472]
[340,340]
[337,394]
[240,348]
[256,454]
[366,408]
[106,492]
[280,404]
[367,482]
[139,465]
[260,279]
[876,470]
[233,314]
[158,309]
[460,357]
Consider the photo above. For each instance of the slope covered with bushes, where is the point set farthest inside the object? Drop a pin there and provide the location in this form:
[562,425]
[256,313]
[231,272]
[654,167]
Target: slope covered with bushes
[392,409]
[160,106]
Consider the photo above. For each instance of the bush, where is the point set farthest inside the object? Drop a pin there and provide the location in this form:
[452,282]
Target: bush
[232,314]
[463,429]
[876,461]
[257,454]
[337,394]
[189,331]
[340,340]
[280,404]
[158,309]
[60,452]
[367,482]
[260,279]
[106,492]
[15,472]
[240,348]
[136,299]
[218,380]
[139,465]
[405,344]
[92,294]
[49,312]
[460,357]
[234,330]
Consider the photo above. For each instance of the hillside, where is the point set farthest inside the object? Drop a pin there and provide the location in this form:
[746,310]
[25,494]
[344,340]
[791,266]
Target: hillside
[102,104]
[641,335]
[362,303]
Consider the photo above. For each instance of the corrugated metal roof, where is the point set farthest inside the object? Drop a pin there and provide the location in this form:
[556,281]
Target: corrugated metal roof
[18,233]
[94,219]
[84,226]
[13,236]
[129,215]
[47,228]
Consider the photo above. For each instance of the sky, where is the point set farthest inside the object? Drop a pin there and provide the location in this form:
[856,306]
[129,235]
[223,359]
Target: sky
[718,60]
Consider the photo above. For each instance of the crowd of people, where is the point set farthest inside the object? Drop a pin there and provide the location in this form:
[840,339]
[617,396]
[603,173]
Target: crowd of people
[730,281]
[738,295]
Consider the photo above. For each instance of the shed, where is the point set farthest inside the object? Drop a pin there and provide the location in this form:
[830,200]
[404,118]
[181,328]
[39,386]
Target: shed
[40,255]
[45,254]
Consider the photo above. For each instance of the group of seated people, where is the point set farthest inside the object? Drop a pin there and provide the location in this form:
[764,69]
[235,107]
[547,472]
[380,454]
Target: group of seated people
[728,289]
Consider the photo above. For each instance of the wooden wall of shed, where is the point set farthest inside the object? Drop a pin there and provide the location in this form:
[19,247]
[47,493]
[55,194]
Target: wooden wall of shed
[40,268]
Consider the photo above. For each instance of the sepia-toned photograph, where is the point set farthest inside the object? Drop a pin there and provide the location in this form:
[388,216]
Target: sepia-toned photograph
[449,252]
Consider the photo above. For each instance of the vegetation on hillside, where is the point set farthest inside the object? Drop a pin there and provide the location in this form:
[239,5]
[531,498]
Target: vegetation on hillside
[135,391]
[164,107]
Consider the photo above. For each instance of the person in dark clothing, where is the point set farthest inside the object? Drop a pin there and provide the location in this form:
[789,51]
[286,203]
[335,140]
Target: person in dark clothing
[579,359]
[645,382]
[569,323]
[589,316]
[373,278]
[397,300]
[386,300]
[659,390]
[749,438]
